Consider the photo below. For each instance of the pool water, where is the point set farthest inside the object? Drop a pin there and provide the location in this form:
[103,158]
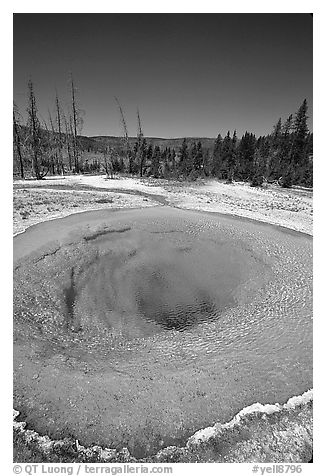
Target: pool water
[138,327]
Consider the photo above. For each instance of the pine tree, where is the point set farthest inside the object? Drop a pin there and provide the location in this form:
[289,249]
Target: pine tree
[299,156]
[285,150]
[198,157]
[207,163]
[155,165]
[287,178]
[310,144]
[232,158]
[259,169]
[184,161]
[274,162]
[217,157]
[149,155]
[164,168]
[276,134]
[226,151]
[192,173]
[173,161]
[264,147]
[308,172]
[246,151]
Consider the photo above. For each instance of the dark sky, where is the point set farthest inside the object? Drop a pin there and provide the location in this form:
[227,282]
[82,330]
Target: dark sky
[190,75]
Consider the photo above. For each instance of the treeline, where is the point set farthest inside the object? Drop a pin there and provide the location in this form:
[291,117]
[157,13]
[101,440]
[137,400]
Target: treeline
[51,146]
[56,147]
[284,156]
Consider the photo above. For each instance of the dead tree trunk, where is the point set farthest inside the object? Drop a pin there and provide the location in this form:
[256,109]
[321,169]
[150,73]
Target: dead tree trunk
[74,119]
[52,146]
[67,140]
[59,130]
[125,137]
[140,145]
[34,129]
[17,141]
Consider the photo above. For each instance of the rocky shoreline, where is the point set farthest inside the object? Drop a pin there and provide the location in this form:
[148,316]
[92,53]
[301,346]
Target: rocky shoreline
[258,433]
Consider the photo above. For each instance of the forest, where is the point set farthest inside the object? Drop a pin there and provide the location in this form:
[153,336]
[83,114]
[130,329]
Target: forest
[56,147]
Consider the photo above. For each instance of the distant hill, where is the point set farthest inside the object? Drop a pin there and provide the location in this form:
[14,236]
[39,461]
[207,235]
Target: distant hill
[207,142]
[96,143]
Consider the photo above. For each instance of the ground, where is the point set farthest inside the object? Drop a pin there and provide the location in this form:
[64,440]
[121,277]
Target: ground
[36,201]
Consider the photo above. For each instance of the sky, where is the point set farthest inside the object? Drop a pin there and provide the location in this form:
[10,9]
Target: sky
[190,75]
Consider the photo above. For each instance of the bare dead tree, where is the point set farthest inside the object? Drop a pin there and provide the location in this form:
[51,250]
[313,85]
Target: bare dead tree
[67,124]
[74,117]
[59,133]
[17,139]
[125,137]
[52,145]
[34,132]
[77,125]
[48,157]
[141,145]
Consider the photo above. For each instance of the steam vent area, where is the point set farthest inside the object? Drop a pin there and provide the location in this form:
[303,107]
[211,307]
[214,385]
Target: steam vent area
[137,328]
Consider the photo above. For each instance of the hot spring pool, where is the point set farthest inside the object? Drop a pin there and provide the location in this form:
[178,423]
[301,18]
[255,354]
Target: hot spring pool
[138,327]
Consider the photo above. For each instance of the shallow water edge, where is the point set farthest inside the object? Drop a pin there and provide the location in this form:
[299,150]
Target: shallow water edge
[255,434]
